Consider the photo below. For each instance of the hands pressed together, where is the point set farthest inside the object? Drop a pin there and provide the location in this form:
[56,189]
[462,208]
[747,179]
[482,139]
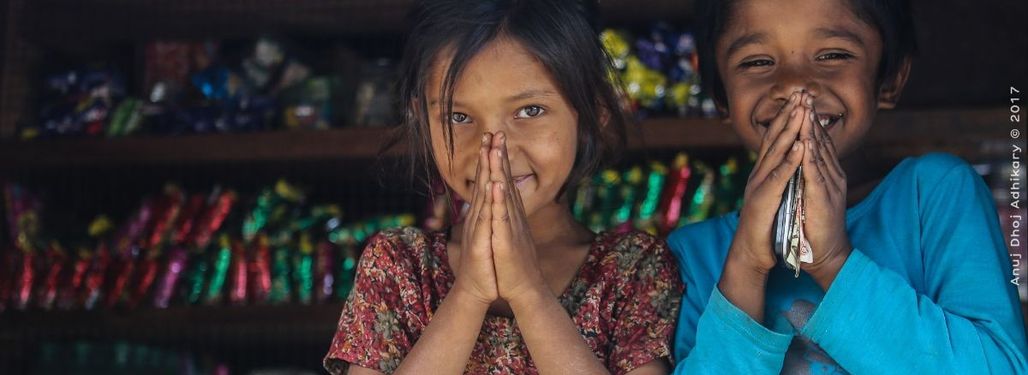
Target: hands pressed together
[795,138]
[498,257]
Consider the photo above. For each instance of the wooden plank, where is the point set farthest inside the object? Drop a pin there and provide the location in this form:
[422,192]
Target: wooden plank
[971,133]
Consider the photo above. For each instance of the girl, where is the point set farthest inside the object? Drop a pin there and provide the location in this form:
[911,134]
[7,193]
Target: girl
[909,271]
[509,103]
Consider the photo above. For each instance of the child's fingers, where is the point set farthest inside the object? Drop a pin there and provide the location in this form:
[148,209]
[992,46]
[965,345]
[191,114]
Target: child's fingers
[827,162]
[782,144]
[815,183]
[482,232]
[501,218]
[834,166]
[479,184]
[777,125]
[778,178]
[513,194]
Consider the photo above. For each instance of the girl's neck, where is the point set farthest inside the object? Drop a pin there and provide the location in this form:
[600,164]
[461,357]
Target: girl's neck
[554,225]
[551,225]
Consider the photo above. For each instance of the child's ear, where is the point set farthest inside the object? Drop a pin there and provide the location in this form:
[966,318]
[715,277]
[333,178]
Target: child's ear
[722,110]
[892,87]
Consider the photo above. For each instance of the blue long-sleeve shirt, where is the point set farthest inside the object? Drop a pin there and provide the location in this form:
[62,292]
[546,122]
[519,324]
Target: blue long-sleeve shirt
[927,290]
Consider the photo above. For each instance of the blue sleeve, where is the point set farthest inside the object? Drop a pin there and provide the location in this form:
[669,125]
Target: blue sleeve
[714,336]
[728,341]
[968,319]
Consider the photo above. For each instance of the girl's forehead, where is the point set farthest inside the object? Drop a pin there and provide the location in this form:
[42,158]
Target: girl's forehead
[502,60]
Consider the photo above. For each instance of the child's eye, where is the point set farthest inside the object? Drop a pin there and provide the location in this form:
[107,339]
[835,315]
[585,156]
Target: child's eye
[459,118]
[756,63]
[530,111]
[835,56]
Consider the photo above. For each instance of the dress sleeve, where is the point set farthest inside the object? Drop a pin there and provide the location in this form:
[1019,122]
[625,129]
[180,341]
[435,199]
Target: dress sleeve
[375,329]
[647,306]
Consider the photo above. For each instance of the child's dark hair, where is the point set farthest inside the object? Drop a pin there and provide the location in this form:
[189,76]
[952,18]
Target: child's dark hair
[557,32]
[891,18]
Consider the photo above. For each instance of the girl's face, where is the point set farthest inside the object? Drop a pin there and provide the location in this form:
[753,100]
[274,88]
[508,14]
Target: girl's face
[772,48]
[504,88]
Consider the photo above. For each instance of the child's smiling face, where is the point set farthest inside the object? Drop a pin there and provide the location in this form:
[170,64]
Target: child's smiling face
[772,48]
[505,88]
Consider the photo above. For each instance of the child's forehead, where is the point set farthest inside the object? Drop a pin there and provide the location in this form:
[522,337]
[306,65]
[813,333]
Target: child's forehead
[767,21]
[498,59]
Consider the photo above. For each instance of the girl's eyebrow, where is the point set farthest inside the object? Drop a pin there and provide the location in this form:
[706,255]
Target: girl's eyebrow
[745,40]
[826,33]
[532,93]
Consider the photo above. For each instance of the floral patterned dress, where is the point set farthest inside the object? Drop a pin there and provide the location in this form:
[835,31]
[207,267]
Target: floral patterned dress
[624,300]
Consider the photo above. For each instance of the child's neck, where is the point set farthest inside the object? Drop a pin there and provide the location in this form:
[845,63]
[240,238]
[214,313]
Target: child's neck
[554,225]
[863,174]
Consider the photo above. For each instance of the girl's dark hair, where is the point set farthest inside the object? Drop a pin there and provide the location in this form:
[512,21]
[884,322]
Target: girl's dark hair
[891,18]
[557,32]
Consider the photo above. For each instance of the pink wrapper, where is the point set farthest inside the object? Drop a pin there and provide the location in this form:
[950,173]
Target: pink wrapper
[169,277]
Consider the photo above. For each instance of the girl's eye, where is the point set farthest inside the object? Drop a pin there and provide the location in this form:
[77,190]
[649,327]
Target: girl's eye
[756,63]
[835,56]
[530,111]
[459,118]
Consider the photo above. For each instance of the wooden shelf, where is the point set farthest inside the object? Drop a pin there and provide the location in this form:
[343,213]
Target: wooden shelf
[57,22]
[969,133]
[348,143]
[197,325]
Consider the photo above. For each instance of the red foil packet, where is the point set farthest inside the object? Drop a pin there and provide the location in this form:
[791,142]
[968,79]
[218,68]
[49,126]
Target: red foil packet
[238,278]
[209,223]
[172,272]
[260,270]
[53,267]
[674,193]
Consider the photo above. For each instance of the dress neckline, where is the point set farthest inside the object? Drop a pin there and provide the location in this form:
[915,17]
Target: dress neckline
[440,240]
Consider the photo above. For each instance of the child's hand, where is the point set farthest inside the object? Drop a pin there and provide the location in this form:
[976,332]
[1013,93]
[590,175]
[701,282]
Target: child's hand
[824,193]
[477,276]
[517,267]
[779,157]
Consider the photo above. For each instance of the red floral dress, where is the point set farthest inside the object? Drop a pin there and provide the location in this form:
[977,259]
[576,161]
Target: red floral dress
[624,300]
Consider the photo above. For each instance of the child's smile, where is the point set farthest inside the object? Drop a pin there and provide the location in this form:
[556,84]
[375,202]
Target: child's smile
[504,88]
[772,48]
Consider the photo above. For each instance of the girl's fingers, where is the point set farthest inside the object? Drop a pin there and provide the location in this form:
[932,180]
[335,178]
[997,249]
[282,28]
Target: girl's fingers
[501,219]
[777,125]
[479,184]
[513,194]
[483,226]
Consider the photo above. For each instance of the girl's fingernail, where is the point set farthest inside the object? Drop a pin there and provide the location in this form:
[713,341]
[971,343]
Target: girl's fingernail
[795,146]
[499,152]
[793,113]
[809,100]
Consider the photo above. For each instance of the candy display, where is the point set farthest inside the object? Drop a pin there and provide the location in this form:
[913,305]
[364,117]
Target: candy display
[658,71]
[214,87]
[212,248]
[656,197]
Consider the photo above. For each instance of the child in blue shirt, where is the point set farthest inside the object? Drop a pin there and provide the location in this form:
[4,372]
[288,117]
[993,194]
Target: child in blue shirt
[910,271]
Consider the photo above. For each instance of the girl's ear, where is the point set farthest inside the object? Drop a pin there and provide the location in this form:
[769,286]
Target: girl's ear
[892,87]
